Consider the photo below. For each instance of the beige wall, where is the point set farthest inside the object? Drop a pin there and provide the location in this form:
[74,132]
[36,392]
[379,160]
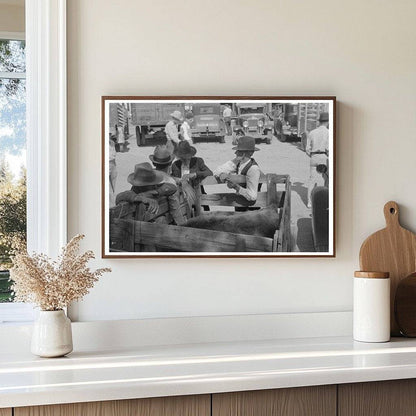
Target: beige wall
[361,51]
[12,18]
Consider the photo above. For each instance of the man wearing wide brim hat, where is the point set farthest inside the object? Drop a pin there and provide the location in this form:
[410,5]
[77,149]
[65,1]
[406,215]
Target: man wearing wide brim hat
[162,159]
[148,185]
[171,130]
[317,148]
[243,164]
[187,166]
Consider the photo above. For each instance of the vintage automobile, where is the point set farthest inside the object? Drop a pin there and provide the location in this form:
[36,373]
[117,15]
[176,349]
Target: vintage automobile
[208,123]
[253,120]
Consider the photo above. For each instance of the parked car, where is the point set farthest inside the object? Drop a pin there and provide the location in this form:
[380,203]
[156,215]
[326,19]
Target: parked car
[208,123]
[253,120]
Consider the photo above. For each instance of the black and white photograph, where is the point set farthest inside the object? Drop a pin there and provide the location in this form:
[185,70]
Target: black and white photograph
[218,176]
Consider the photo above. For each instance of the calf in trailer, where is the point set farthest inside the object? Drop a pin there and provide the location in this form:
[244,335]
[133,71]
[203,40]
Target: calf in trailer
[263,222]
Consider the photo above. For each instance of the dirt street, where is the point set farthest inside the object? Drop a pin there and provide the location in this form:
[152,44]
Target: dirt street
[278,157]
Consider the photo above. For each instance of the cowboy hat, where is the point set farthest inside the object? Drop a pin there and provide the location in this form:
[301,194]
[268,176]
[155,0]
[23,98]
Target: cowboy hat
[161,156]
[324,116]
[144,175]
[177,114]
[246,144]
[185,149]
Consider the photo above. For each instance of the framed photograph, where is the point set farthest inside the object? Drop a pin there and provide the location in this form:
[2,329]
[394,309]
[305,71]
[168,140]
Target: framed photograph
[218,176]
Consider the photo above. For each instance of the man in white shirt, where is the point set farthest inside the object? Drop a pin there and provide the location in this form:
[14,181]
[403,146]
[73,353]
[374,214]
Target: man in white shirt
[317,148]
[242,164]
[226,114]
[186,133]
[171,130]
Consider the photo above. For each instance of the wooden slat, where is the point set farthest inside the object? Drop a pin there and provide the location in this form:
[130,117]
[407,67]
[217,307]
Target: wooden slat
[381,398]
[210,180]
[301,401]
[227,200]
[5,412]
[285,227]
[161,406]
[194,239]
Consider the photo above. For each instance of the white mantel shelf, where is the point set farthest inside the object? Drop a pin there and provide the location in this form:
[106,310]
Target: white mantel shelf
[151,371]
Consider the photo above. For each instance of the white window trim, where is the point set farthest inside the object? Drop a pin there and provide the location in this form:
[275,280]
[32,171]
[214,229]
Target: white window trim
[46,125]
[46,133]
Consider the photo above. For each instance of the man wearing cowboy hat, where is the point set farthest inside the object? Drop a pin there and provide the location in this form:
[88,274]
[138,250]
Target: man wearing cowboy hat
[190,170]
[149,184]
[171,130]
[242,164]
[317,149]
[187,166]
[162,159]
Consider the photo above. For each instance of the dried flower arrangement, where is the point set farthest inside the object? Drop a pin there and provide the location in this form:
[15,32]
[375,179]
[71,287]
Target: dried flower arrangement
[53,285]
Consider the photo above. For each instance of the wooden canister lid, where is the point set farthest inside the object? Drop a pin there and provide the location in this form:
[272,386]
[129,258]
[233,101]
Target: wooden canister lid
[372,275]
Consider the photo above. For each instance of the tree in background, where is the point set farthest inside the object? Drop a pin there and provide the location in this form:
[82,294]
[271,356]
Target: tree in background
[12,222]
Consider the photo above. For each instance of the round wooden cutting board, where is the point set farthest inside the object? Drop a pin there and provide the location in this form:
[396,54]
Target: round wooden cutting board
[405,306]
[393,250]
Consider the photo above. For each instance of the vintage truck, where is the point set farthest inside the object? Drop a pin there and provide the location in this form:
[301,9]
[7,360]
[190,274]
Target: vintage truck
[298,120]
[150,120]
[208,123]
[253,119]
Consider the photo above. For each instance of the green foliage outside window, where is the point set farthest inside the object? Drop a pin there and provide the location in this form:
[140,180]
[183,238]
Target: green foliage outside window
[12,224]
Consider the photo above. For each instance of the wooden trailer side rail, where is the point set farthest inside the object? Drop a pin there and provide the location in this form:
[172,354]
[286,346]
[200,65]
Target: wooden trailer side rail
[186,239]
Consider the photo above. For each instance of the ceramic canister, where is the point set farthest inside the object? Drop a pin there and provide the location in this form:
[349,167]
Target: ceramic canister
[371,305]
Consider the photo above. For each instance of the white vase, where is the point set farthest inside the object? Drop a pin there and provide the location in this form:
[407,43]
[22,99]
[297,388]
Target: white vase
[52,334]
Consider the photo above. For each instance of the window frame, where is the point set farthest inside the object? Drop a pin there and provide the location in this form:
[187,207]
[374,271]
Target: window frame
[46,134]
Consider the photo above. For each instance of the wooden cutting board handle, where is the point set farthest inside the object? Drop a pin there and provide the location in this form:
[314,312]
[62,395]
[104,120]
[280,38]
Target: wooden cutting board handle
[391,214]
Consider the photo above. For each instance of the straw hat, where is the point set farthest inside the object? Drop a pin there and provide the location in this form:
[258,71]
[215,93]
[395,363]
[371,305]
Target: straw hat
[177,114]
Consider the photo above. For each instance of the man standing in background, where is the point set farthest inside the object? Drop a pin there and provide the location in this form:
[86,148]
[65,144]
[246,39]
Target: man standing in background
[317,149]
[226,114]
[186,132]
[171,130]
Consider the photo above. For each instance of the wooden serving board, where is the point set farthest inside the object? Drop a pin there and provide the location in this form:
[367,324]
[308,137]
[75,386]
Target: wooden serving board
[393,250]
[405,306]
